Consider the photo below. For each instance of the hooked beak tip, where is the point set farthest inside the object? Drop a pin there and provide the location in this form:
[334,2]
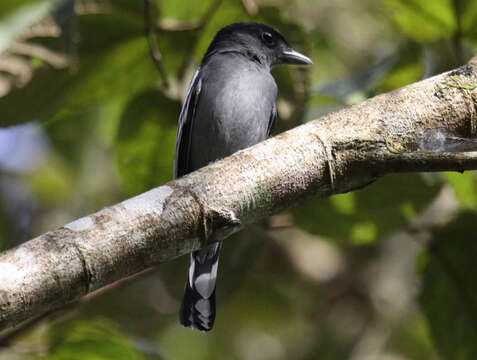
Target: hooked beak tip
[293,57]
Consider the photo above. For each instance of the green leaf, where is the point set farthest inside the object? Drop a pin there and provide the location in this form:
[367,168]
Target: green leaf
[423,21]
[100,32]
[177,49]
[363,233]
[70,131]
[469,19]
[8,7]
[465,188]
[188,11]
[344,203]
[368,214]
[113,60]
[94,340]
[181,343]
[131,8]
[411,338]
[54,95]
[449,289]
[180,48]
[123,71]
[14,18]
[404,74]
[407,70]
[43,96]
[146,141]
[230,11]
[52,183]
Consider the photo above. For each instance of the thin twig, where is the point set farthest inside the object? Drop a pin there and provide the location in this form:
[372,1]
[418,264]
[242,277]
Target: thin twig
[8,338]
[55,59]
[174,25]
[250,7]
[197,29]
[149,12]
[431,161]
[209,13]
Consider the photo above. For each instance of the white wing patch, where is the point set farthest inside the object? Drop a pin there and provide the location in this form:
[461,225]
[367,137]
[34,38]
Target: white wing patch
[191,270]
[203,307]
[205,283]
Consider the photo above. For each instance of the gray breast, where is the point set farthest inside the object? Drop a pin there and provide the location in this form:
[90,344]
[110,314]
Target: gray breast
[234,108]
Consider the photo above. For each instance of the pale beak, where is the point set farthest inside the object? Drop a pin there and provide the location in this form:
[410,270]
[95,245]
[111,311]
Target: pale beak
[293,57]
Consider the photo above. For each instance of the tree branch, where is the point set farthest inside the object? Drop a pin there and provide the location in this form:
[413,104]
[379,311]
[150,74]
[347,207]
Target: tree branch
[337,153]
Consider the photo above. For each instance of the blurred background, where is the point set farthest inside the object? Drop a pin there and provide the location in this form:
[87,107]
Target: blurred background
[90,93]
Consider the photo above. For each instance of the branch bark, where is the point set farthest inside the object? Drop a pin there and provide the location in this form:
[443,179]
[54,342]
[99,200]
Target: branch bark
[337,153]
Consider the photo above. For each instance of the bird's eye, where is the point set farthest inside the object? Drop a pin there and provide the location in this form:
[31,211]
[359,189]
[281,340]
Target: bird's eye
[268,39]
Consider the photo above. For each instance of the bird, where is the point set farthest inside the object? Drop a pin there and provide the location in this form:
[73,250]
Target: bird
[230,105]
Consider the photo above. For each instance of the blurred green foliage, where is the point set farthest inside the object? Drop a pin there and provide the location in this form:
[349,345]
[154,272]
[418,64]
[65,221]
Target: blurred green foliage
[16,15]
[95,339]
[145,142]
[465,188]
[109,124]
[368,214]
[424,21]
[449,291]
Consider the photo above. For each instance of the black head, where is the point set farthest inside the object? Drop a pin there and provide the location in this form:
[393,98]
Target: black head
[259,42]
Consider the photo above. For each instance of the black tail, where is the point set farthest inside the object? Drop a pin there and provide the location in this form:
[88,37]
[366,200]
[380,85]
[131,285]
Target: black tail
[198,303]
